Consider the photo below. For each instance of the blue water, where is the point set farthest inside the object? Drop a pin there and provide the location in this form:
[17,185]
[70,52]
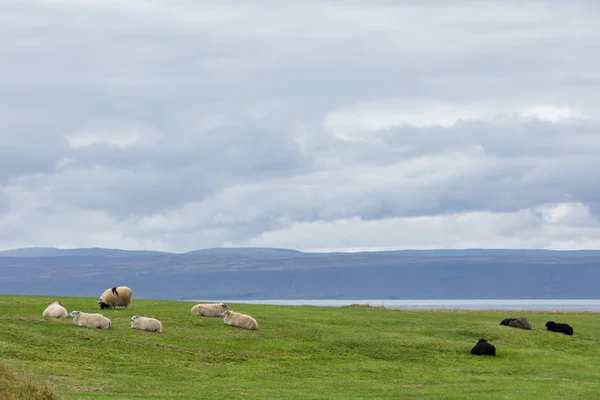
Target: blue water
[517,305]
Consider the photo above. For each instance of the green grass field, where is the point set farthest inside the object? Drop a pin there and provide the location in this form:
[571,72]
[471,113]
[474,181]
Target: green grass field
[299,353]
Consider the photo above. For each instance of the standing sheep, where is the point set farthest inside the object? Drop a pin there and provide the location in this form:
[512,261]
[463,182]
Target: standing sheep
[209,310]
[116,296]
[146,324]
[55,310]
[239,320]
[90,320]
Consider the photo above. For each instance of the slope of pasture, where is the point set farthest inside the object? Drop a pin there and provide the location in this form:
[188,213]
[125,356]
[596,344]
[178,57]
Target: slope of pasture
[299,353]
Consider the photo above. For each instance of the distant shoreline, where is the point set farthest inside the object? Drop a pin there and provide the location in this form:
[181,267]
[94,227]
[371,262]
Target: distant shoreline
[587,305]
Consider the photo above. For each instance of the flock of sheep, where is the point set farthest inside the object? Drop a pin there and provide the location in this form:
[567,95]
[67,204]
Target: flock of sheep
[121,296]
[483,348]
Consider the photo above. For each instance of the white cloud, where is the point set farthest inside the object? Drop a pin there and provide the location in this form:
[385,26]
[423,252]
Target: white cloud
[352,123]
[148,124]
[349,123]
[119,137]
[513,230]
[552,113]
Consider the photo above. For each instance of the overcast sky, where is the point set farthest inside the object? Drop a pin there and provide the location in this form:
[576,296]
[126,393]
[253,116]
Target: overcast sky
[314,125]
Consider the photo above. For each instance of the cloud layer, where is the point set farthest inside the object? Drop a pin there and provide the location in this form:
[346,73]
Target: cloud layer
[316,126]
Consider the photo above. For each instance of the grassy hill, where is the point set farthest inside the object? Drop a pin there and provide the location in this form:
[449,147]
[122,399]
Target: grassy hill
[299,353]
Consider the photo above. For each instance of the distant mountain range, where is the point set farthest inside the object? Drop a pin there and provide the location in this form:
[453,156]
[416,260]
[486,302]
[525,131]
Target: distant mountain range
[270,273]
[97,251]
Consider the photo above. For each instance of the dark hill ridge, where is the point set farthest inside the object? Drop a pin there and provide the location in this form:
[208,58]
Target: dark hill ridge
[263,273]
[54,252]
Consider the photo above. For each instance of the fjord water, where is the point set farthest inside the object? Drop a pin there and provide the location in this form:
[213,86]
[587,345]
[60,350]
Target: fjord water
[592,305]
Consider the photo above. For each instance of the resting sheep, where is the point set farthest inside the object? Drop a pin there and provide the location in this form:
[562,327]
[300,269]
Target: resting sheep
[209,310]
[55,310]
[483,348]
[521,323]
[560,328]
[116,296]
[90,320]
[239,320]
[146,324]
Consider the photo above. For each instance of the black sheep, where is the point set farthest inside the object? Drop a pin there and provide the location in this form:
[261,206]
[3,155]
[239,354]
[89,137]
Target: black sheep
[521,323]
[483,348]
[560,328]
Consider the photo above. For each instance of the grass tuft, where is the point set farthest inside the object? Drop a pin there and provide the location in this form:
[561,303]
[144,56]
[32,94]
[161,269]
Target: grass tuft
[22,387]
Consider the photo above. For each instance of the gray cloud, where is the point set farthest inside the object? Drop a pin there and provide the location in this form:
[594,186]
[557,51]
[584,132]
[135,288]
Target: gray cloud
[210,124]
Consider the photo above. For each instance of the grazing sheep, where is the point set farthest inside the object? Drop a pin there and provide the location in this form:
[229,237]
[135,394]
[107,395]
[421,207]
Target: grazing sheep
[90,320]
[521,323]
[113,297]
[483,348]
[239,320]
[146,324]
[560,328]
[209,310]
[55,310]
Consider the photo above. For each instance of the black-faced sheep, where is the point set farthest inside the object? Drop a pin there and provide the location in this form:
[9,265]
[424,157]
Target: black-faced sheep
[209,310]
[239,320]
[90,320]
[116,296]
[483,348]
[55,310]
[521,323]
[146,324]
[560,328]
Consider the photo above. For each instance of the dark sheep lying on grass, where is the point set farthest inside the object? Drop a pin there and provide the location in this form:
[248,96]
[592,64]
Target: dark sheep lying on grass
[521,323]
[483,348]
[560,328]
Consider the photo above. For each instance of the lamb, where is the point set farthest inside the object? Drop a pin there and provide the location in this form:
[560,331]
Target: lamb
[560,328]
[239,320]
[521,323]
[116,296]
[146,324]
[209,310]
[90,320]
[483,348]
[55,310]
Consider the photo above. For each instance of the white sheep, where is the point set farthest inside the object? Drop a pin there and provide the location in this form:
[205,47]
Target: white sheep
[209,310]
[146,324]
[90,320]
[116,296]
[55,310]
[239,320]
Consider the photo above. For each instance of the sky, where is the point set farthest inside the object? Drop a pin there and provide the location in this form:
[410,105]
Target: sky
[318,125]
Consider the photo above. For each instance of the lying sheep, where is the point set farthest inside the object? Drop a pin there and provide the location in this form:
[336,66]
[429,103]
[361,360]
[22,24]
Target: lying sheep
[560,328]
[483,348]
[90,320]
[113,297]
[146,324]
[521,323]
[209,310]
[239,320]
[55,310]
